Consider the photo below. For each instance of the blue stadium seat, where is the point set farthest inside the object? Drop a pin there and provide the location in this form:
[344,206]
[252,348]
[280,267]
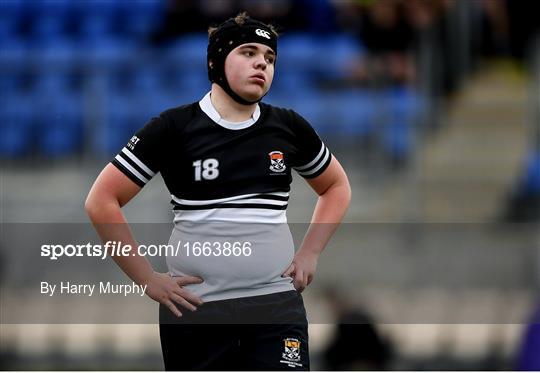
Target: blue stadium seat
[313,106]
[119,79]
[188,51]
[58,8]
[150,105]
[105,8]
[60,120]
[405,102]
[125,115]
[298,51]
[355,113]
[120,123]
[195,84]
[61,129]
[403,107]
[95,27]
[151,7]
[337,52]
[8,27]
[13,8]
[60,114]
[147,80]
[108,51]
[138,81]
[141,17]
[321,15]
[16,126]
[397,139]
[14,51]
[343,113]
[166,100]
[50,84]
[10,82]
[174,99]
[293,81]
[57,53]
[47,27]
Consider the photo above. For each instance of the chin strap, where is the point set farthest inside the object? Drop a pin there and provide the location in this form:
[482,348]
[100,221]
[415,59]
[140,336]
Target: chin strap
[223,83]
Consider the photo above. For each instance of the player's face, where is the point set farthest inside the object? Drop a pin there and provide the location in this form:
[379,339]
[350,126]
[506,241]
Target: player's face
[249,68]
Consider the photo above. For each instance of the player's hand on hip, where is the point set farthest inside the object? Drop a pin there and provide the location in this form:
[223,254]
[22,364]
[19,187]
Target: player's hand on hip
[169,291]
[302,269]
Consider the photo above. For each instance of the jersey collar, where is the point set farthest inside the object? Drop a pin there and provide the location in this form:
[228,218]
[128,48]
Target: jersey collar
[208,108]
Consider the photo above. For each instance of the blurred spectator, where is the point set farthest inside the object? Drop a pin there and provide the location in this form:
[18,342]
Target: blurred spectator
[186,16]
[523,27]
[507,28]
[390,30]
[389,38]
[381,27]
[495,28]
[357,344]
[285,14]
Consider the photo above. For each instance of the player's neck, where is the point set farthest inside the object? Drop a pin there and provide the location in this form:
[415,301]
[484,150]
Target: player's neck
[229,109]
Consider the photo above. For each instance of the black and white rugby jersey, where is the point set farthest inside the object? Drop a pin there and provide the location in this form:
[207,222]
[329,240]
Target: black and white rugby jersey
[216,170]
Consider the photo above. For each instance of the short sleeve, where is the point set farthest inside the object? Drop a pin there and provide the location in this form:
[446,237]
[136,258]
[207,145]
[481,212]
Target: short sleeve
[141,158]
[314,157]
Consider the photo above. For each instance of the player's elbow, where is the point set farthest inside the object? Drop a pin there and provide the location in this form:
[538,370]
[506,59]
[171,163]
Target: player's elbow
[345,193]
[98,204]
[341,190]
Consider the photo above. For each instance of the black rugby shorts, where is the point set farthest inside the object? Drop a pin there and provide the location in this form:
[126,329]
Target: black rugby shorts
[265,332]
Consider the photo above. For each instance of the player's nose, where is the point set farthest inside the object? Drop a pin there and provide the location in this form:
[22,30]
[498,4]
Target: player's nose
[260,62]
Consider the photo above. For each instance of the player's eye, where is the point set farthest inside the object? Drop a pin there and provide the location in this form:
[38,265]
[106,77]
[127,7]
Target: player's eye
[270,60]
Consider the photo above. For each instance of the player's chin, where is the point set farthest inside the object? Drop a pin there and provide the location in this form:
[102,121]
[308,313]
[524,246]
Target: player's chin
[254,92]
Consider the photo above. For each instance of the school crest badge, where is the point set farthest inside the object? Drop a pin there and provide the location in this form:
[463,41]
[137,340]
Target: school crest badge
[291,350]
[277,161]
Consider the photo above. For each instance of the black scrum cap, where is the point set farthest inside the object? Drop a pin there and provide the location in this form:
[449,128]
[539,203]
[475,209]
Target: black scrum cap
[228,36]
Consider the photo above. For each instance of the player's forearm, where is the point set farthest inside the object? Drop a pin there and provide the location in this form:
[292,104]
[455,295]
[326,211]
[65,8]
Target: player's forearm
[329,211]
[111,225]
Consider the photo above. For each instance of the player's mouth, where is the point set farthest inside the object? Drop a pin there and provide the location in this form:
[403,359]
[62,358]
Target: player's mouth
[258,79]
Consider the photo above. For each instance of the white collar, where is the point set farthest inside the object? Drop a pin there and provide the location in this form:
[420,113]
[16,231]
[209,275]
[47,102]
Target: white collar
[208,108]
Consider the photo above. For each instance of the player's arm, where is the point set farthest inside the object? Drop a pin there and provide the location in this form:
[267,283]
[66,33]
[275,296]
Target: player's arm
[110,192]
[334,192]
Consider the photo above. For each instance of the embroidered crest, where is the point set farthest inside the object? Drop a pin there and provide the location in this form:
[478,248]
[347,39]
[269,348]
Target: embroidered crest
[277,161]
[291,353]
